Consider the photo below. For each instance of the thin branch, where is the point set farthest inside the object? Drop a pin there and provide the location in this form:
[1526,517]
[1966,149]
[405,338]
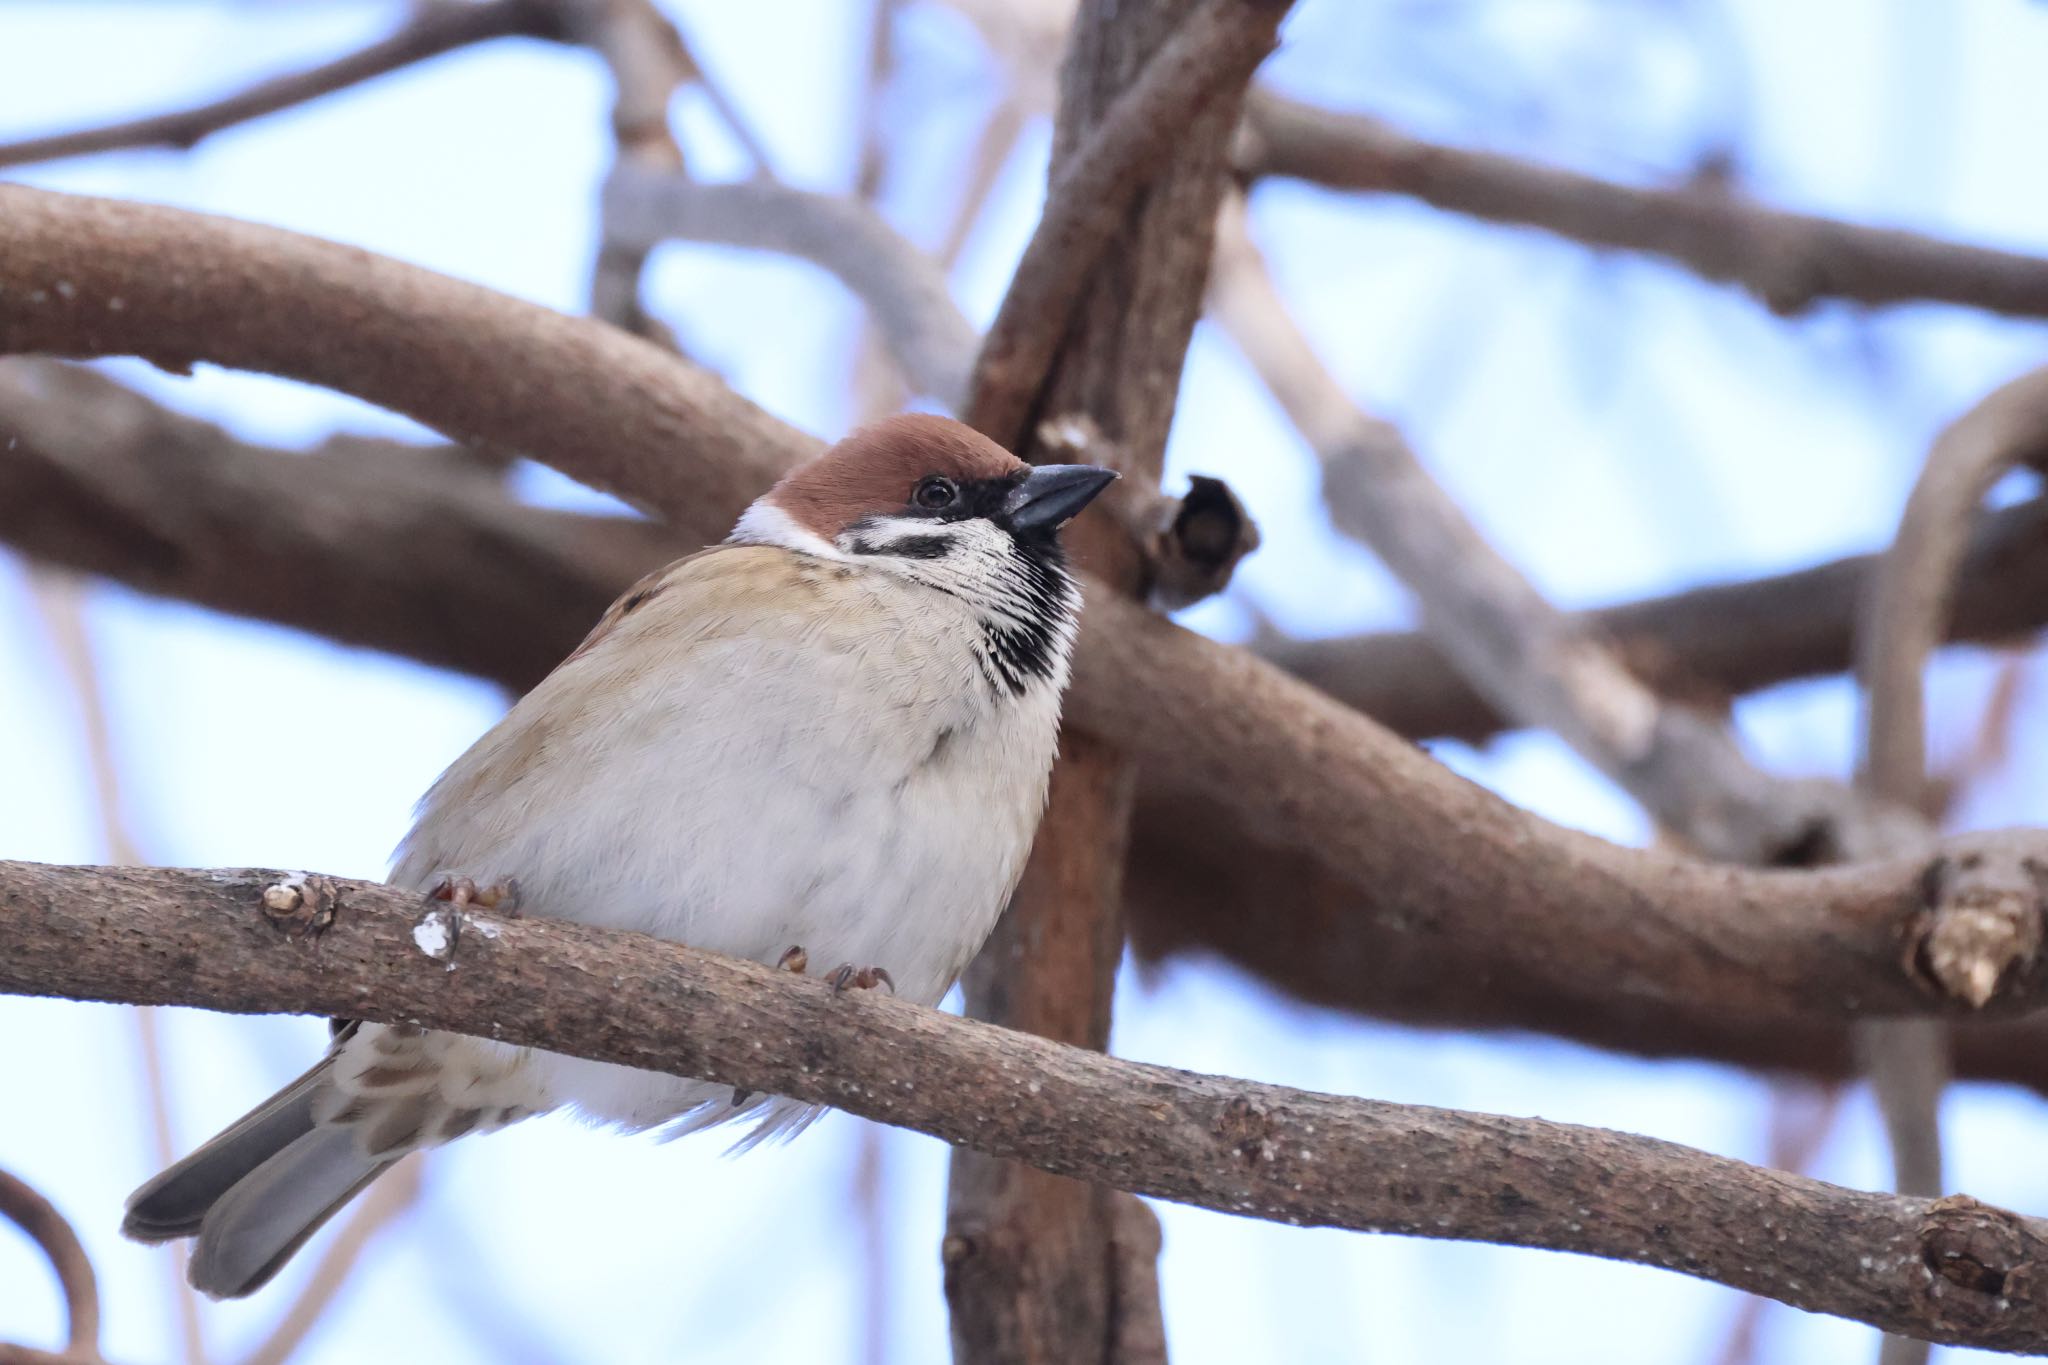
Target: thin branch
[61,600]
[1213,52]
[436,27]
[1548,668]
[38,1218]
[1717,642]
[1914,585]
[1788,261]
[908,298]
[1544,666]
[1953,1270]
[1968,948]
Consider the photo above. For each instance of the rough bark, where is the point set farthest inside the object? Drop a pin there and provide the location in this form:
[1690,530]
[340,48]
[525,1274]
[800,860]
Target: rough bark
[1092,332]
[1952,1270]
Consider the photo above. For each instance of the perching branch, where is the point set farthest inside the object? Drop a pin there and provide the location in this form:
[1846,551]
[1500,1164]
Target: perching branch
[436,27]
[1953,1270]
[1789,261]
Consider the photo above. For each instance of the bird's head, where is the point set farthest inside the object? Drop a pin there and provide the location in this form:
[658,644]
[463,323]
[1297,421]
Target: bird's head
[937,503]
[926,496]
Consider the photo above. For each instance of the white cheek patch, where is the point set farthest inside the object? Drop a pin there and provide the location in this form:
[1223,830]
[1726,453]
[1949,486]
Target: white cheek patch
[764,523]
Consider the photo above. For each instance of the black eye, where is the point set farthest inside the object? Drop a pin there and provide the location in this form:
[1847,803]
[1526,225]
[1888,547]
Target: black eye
[935,494]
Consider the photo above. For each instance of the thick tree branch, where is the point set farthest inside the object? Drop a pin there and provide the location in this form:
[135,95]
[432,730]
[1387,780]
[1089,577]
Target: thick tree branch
[436,27]
[1416,845]
[92,277]
[419,576]
[1952,1270]
[1789,261]
[394,547]
[99,478]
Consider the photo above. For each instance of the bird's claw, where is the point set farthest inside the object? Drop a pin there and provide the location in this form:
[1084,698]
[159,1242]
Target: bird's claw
[794,959]
[860,978]
[501,898]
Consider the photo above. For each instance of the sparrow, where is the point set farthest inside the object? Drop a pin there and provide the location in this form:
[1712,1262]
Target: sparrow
[824,742]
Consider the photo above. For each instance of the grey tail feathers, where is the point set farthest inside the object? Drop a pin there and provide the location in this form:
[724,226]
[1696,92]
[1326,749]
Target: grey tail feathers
[254,1194]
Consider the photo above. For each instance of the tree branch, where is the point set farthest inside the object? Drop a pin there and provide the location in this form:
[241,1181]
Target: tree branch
[905,291]
[1952,1270]
[1093,330]
[1543,666]
[1415,845]
[1788,261]
[87,277]
[398,548]
[393,547]
[97,477]
[436,27]
[1211,54]
[1970,945]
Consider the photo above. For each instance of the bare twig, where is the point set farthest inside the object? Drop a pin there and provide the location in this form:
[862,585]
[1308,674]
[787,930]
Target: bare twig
[436,27]
[905,291]
[61,599]
[1789,261]
[1544,666]
[1970,946]
[1213,52]
[38,1218]
[1953,1269]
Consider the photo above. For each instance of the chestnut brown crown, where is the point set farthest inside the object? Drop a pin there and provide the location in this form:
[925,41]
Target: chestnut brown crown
[876,470]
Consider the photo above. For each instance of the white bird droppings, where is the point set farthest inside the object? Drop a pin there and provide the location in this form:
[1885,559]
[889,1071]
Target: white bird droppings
[430,935]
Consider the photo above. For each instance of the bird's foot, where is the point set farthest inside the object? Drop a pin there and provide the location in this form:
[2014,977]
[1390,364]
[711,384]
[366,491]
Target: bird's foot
[793,959]
[502,897]
[438,937]
[860,978]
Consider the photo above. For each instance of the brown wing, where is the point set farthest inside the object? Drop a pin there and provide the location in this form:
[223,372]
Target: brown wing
[634,598]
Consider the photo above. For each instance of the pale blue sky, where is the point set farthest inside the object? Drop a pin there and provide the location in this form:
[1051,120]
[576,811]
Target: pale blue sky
[1615,426]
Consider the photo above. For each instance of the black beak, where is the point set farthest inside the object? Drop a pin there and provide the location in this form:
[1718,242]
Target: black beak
[1052,494]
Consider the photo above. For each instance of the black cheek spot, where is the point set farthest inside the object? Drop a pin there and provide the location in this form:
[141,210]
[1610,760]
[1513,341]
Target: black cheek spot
[919,547]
